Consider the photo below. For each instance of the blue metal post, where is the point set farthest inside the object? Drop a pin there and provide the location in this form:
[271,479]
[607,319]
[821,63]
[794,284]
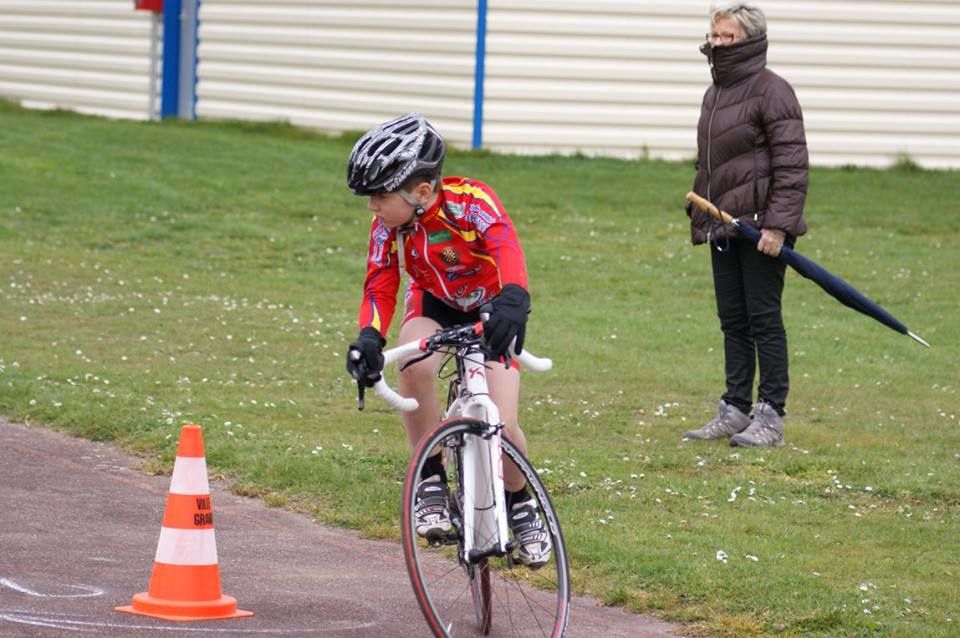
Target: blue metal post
[170,95]
[478,75]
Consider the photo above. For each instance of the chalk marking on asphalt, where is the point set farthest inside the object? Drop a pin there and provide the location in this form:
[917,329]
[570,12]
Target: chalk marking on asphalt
[35,622]
[331,537]
[90,592]
[62,621]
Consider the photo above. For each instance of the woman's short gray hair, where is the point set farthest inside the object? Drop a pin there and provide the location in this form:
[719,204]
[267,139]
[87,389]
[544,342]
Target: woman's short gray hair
[750,18]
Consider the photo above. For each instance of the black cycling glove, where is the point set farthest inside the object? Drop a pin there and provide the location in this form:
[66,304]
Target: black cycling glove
[365,357]
[508,319]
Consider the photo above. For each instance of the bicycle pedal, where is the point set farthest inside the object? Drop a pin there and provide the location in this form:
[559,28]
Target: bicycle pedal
[441,539]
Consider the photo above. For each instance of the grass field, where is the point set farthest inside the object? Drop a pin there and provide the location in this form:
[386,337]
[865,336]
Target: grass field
[158,274]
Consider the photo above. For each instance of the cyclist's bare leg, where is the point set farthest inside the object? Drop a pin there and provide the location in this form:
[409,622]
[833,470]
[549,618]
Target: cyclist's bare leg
[420,382]
[504,385]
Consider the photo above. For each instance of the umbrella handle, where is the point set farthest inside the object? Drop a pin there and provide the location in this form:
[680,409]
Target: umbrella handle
[708,207]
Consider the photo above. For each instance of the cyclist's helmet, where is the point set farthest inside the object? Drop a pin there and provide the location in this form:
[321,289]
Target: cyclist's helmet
[385,157]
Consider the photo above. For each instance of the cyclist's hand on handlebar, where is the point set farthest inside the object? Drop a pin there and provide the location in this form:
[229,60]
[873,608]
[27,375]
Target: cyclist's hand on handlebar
[365,357]
[508,319]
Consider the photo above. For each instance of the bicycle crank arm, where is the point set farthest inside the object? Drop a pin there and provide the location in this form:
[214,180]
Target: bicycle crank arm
[474,556]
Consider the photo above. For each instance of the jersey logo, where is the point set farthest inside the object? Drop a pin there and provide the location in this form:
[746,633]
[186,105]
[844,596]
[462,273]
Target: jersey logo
[480,218]
[439,236]
[449,255]
[454,274]
[470,301]
[378,253]
[455,210]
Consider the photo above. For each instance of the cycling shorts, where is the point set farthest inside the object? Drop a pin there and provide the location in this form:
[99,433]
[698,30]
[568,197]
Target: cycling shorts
[420,303]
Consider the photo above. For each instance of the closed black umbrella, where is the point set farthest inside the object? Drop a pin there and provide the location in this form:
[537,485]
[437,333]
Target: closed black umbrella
[840,289]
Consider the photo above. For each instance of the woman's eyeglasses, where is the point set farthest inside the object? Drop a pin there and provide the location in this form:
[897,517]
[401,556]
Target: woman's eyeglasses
[721,38]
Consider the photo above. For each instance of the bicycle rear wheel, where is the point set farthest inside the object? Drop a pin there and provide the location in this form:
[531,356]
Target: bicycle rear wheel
[458,597]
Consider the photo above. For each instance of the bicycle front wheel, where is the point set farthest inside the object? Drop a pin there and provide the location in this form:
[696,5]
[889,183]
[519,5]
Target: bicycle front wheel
[459,597]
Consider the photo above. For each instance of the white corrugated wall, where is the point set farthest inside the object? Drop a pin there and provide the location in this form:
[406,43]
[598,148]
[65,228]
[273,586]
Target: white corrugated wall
[337,65]
[877,78]
[85,55]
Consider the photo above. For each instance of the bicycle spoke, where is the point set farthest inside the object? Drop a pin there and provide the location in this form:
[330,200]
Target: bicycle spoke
[455,598]
[530,601]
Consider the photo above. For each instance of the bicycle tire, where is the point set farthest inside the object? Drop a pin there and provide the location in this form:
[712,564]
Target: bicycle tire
[457,598]
[482,590]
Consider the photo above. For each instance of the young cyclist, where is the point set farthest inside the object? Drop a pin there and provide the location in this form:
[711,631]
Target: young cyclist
[460,249]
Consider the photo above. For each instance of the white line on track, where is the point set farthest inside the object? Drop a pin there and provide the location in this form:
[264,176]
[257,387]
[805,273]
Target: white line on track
[78,624]
[88,591]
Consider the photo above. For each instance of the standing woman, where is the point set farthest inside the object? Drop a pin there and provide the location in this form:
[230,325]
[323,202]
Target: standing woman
[751,162]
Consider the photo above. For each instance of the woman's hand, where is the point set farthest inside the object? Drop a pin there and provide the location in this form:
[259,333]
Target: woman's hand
[771,239]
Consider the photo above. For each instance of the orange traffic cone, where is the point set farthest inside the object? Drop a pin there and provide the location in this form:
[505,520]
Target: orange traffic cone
[185,584]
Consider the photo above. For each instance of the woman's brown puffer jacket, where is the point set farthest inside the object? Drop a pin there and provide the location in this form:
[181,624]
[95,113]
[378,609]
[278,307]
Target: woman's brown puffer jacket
[751,147]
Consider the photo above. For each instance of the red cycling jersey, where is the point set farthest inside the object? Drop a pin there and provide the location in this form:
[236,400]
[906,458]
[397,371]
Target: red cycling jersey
[463,251]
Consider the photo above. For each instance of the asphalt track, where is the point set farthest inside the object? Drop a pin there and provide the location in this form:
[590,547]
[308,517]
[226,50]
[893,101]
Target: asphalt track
[79,524]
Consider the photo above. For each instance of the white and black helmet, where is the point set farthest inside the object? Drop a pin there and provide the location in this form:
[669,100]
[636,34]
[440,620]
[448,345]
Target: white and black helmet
[385,157]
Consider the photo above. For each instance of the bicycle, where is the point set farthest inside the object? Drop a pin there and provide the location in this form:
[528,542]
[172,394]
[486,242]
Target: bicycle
[478,577]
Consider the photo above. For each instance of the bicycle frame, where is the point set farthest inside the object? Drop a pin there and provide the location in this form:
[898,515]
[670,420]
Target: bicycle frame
[482,461]
[533,598]
[482,456]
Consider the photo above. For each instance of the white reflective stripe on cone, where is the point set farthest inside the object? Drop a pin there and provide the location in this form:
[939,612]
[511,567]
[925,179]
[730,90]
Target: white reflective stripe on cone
[187,547]
[189,476]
